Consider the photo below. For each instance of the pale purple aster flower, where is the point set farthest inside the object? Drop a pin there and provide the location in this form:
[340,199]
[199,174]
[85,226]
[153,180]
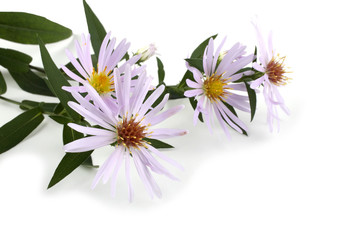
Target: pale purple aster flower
[100,77]
[127,128]
[215,88]
[272,65]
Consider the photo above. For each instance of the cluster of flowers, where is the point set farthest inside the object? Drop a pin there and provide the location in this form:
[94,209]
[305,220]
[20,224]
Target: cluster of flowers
[116,96]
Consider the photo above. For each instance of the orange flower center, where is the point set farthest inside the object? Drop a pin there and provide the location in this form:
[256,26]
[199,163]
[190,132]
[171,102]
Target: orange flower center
[102,82]
[215,86]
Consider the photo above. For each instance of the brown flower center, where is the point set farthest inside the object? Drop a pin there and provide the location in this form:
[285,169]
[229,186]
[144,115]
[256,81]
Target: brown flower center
[275,69]
[131,133]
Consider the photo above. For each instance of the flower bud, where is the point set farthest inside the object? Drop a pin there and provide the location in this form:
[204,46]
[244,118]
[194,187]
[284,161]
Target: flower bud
[146,52]
[222,55]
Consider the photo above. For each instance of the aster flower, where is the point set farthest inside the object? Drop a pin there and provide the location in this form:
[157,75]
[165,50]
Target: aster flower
[214,87]
[129,129]
[272,65]
[100,77]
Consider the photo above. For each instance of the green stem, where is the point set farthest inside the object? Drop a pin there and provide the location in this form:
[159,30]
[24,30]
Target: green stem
[10,100]
[175,92]
[26,106]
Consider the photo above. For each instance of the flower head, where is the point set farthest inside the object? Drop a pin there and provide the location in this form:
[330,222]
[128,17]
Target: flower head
[100,77]
[273,67]
[214,87]
[129,128]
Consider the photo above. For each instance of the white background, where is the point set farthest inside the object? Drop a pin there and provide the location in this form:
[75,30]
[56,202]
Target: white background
[301,183]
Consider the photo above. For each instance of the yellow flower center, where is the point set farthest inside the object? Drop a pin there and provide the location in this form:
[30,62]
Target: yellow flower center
[275,69]
[130,133]
[215,86]
[102,82]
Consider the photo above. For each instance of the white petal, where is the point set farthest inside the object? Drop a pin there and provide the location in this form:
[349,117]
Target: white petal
[88,143]
[91,130]
[164,115]
[164,157]
[162,133]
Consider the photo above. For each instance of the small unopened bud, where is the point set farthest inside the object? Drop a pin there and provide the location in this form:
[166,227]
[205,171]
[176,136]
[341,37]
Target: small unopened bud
[222,55]
[146,52]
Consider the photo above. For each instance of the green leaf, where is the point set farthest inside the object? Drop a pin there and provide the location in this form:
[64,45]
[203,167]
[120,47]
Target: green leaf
[2,84]
[199,51]
[187,75]
[70,161]
[18,128]
[32,83]
[255,54]
[67,165]
[196,63]
[161,72]
[56,81]
[59,109]
[157,143]
[70,135]
[45,107]
[14,60]
[249,78]
[96,29]
[23,27]
[252,99]
[60,119]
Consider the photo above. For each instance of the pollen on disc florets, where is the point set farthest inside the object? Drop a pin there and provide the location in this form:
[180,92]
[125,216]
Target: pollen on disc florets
[101,82]
[276,70]
[214,87]
[131,133]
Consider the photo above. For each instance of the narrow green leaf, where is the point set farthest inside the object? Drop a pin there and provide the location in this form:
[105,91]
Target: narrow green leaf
[199,51]
[45,107]
[18,128]
[56,81]
[61,119]
[70,161]
[96,29]
[157,143]
[32,83]
[187,75]
[14,60]
[67,165]
[175,92]
[196,63]
[23,27]
[161,72]
[70,135]
[59,109]
[252,100]
[249,78]
[2,84]
[255,54]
